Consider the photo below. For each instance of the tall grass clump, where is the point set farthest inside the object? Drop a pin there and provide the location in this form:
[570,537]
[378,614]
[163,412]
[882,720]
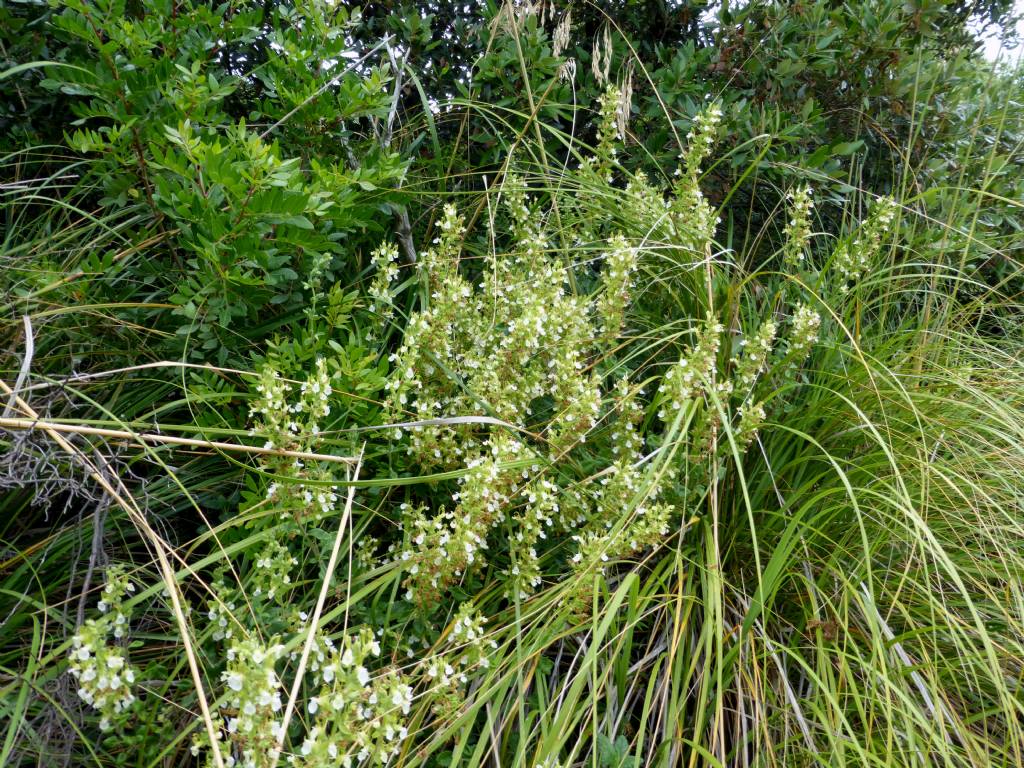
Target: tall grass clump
[593,480]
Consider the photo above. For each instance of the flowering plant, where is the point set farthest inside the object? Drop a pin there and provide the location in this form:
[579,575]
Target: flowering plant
[105,677]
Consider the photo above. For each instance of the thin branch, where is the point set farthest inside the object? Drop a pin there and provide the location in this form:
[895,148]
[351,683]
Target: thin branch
[148,437]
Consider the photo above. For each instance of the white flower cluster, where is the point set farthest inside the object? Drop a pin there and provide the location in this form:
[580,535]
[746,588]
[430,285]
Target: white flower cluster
[272,571]
[804,333]
[597,550]
[617,281]
[612,117]
[251,714]
[271,405]
[693,218]
[468,637]
[579,398]
[505,335]
[315,397]
[702,137]
[751,417]
[541,510]
[221,614]
[526,228]
[747,366]
[609,106]
[626,444]
[514,339]
[441,261]
[625,485]
[385,261]
[254,695]
[417,387]
[694,372]
[293,423]
[356,716]
[616,489]
[354,713]
[366,552]
[646,207]
[625,438]
[798,228]
[853,259]
[751,361]
[105,678]
[443,548]
[448,673]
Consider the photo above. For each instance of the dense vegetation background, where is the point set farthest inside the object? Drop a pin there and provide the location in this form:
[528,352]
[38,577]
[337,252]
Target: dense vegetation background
[558,384]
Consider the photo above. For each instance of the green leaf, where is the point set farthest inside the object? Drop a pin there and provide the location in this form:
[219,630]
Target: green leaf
[847,147]
[297,221]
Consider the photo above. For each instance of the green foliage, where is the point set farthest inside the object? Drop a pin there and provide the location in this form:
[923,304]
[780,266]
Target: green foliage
[234,165]
[490,393]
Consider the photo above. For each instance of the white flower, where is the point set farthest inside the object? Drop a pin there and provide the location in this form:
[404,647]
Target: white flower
[362,675]
[402,698]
